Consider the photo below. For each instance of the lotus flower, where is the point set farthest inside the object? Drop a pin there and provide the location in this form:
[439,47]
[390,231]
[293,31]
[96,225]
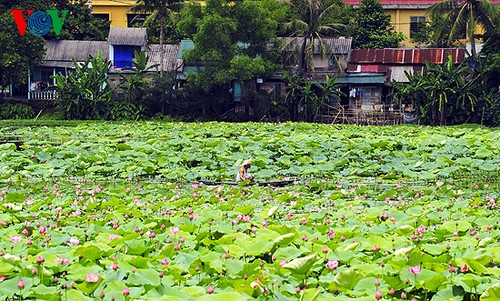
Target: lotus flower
[415,270]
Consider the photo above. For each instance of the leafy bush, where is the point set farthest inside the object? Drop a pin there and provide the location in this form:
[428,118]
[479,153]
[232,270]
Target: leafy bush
[16,111]
[124,110]
[492,110]
[85,93]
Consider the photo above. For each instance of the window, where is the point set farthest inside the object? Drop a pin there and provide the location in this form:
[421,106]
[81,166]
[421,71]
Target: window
[123,55]
[101,16]
[134,20]
[365,97]
[416,24]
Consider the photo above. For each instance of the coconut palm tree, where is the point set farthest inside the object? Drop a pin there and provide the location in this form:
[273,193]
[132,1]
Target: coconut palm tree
[309,31]
[160,10]
[467,14]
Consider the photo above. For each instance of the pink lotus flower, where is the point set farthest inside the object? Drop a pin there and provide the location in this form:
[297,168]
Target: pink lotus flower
[74,241]
[415,270]
[126,291]
[332,264]
[43,230]
[20,284]
[378,294]
[464,268]
[112,236]
[210,289]
[15,238]
[91,278]
[282,262]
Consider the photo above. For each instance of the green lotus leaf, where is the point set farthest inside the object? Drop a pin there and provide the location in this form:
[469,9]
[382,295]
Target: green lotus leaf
[223,297]
[301,265]
[492,293]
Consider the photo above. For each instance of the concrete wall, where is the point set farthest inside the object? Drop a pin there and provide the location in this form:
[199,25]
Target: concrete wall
[117,10]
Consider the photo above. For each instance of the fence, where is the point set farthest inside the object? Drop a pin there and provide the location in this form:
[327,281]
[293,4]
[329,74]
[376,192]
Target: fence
[43,95]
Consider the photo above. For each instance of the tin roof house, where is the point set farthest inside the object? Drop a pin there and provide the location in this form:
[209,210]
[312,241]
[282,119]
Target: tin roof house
[119,49]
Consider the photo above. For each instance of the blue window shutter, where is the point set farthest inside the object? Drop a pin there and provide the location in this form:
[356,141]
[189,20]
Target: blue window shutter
[123,56]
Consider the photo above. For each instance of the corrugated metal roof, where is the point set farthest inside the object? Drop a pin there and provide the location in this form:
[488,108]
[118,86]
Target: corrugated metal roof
[341,45]
[407,3]
[60,53]
[406,56]
[170,60]
[128,36]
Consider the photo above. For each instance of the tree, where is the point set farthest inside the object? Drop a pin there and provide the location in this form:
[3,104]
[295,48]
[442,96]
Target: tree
[79,23]
[134,86]
[309,29]
[466,15]
[18,54]
[231,43]
[444,94]
[373,29]
[160,10]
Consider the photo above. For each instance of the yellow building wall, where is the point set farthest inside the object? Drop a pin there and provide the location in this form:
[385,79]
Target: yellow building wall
[117,10]
[400,20]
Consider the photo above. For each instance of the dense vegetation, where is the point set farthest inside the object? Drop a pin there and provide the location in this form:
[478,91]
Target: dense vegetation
[239,42]
[95,210]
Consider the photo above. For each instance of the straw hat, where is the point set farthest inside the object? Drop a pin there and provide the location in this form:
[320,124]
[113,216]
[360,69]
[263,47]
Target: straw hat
[246,162]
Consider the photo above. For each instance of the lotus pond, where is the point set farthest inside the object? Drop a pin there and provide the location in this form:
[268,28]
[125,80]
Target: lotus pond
[119,211]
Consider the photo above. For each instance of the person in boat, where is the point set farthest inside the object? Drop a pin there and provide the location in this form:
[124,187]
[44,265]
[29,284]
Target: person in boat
[243,174]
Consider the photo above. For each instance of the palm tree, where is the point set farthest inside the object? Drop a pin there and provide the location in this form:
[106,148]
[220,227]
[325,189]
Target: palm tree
[309,31]
[160,10]
[467,14]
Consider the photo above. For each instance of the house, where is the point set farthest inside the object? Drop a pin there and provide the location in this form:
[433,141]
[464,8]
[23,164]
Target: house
[406,15]
[119,49]
[378,68]
[334,62]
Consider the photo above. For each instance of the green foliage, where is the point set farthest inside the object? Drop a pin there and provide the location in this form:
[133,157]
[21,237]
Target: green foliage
[18,54]
[309,30]
[84,93]
[124,110]
[231,44]
[305,98]
[159,11]
[16,111]
[373,27]
[79,23]
[464,17]
[131,219]
[444,94]
[135,87]
[433,34]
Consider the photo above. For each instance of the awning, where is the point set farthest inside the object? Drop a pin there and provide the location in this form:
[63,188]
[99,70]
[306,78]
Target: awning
[373,79]
[356,79]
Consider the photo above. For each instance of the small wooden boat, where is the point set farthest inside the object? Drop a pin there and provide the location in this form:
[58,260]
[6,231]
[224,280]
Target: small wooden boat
[269,183]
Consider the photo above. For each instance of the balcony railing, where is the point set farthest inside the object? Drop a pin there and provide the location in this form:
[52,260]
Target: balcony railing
[43,95]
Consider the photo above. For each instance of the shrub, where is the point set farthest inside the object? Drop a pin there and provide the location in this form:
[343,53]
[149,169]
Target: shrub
[16,111]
